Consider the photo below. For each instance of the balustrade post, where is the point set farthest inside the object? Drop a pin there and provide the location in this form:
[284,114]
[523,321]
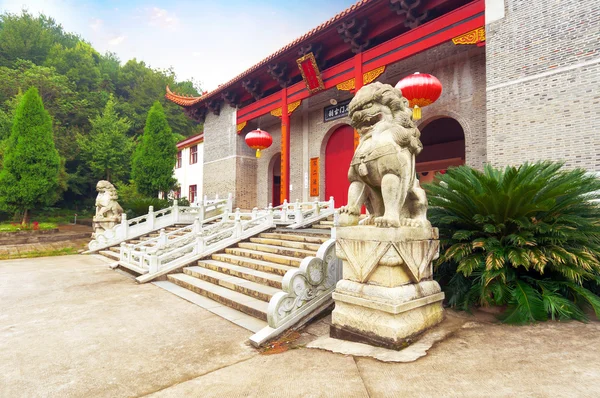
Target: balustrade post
[197,227]
[153,263]
[150,219]
[124,226]
[298,216]
[284,209]
[230,201]
[122,251]
[175,211]
[255,213]
[331,203]
[201,213]
[162,238]
[270,217]
[199,244]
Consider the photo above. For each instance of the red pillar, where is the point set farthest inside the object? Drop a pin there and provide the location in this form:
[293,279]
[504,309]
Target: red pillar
[358,83]
[285,147]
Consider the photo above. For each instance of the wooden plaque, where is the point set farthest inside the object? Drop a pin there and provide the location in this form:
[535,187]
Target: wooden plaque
[314,177]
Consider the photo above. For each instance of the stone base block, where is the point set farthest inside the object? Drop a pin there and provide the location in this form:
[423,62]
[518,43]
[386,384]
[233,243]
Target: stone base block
[378,317]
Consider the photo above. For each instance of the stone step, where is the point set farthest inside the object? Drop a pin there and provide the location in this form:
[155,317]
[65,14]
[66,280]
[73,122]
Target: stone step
[327,222]
[259,265]
[284,251]
[234,283]
[270,257]
[287,243]
[250,274]
[115,249]
[321,226]
[239,318]
[110,254]
[294,237]
[230,298]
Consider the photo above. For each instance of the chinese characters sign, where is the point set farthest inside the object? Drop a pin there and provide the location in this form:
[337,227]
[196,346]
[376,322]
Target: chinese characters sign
[336,111]
[314,176]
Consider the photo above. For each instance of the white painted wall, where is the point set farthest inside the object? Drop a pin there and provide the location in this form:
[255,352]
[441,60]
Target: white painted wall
[190,174]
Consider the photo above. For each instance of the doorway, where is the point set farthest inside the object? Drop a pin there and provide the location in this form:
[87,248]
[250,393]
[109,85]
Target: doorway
[275,173]
[338,155]
[443,146]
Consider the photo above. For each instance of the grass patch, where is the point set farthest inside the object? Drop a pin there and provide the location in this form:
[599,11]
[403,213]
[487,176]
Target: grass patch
[16,227]
[42,253]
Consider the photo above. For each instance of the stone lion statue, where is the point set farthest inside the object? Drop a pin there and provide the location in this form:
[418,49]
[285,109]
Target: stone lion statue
[108,210]
[382,172]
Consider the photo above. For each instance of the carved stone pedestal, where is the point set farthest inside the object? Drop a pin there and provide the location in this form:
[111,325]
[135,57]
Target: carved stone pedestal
[387,295]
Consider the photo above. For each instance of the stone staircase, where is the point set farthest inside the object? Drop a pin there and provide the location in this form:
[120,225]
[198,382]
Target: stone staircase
[238,282]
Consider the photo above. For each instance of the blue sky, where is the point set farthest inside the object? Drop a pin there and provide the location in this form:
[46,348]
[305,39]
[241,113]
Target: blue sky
[209,41]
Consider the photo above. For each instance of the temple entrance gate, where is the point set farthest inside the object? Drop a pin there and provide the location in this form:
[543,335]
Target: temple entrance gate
[338,155]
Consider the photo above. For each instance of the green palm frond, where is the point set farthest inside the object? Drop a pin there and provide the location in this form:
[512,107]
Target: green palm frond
[537,220]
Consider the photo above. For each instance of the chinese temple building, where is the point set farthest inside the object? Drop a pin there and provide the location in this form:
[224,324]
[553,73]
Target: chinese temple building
[517,86]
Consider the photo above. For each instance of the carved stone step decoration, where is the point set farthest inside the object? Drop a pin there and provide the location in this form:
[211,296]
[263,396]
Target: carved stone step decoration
[387,295]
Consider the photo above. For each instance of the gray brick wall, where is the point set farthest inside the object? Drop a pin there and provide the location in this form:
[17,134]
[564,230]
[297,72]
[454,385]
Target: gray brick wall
[229,165]
[543,69]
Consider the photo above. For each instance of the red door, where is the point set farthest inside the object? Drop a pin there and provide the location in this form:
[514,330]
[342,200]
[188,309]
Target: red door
[338,155]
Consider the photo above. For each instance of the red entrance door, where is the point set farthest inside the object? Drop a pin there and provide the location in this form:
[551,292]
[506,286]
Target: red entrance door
[338,155]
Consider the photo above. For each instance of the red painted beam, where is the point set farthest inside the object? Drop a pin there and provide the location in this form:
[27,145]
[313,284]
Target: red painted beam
[465,19]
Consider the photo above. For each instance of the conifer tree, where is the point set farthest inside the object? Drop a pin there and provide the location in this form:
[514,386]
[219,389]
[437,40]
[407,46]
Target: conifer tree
[155,155]
[30,177]
[107,148]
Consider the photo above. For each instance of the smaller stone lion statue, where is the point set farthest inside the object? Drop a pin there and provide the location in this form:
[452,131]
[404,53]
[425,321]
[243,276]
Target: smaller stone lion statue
[108,210]
[382,172]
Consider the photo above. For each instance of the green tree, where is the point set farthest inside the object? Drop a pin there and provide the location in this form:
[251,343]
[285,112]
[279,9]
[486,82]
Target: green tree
[154,157]
[25,37]
[107,149]
[30,177]
[524,237]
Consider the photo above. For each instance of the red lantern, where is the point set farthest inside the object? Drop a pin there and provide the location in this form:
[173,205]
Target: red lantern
[259,139]
[420,89]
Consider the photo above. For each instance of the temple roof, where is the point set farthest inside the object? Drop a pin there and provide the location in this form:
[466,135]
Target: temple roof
[188,101]
[182,100]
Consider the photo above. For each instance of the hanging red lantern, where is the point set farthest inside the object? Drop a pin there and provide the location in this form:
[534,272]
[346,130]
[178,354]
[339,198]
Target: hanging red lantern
[420,89]
[259,139]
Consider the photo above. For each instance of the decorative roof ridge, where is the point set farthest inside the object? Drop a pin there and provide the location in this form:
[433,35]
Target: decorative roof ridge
[182,100]
[300,39]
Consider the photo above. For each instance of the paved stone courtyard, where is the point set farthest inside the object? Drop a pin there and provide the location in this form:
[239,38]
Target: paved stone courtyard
[71,327]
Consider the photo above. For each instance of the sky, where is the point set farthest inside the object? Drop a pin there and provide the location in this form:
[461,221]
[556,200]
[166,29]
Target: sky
[208,41]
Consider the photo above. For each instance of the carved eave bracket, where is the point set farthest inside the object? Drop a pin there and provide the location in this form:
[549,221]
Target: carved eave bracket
[197,114]
[252,86]
[292,106]
[231,98]
[214,106]
[476,36]
[409,9]
[353,32]
[279,73]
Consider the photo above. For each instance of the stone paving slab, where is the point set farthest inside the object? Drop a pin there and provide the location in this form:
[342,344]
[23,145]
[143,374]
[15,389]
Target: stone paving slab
[71,327]
[296,373]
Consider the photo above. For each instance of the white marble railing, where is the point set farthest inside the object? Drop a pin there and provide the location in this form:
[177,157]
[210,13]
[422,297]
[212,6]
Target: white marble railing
[306,291]
[170,252]
[155,220]
[300,214]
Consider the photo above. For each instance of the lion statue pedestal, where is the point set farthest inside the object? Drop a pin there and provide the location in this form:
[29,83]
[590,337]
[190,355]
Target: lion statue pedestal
[387,295]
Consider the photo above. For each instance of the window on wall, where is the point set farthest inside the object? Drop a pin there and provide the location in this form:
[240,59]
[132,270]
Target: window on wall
[194,154]
[192,195]
[178,163]
[177,193]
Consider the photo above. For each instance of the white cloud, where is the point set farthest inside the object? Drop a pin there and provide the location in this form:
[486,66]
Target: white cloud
[162,18]
[96,24]
[115,41]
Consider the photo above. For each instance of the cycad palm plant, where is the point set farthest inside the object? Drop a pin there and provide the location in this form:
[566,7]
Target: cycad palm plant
[526,237]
